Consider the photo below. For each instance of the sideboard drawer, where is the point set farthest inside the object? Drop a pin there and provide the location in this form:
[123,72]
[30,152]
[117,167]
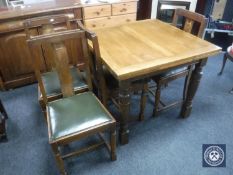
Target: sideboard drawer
[124,8]
[109,21]
[97,11]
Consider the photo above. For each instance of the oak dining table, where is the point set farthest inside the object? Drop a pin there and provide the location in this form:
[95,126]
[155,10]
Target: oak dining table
[142,49]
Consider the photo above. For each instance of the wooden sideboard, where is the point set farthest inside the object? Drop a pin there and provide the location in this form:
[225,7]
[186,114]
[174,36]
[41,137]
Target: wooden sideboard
[15,62]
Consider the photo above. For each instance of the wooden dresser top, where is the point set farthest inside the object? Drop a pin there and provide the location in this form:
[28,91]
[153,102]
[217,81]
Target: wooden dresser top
[32,7]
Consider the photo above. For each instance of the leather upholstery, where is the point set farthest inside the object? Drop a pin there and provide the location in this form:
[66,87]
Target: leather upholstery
[73,114]
[171,72]
[52,84]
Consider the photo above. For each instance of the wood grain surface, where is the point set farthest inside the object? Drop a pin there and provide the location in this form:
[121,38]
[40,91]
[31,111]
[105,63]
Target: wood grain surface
[138,48]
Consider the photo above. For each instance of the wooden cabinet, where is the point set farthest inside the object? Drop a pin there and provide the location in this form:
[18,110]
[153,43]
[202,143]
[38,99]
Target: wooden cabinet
[16,64]
[98,16]
[97,11]
[109,21]
[124,8]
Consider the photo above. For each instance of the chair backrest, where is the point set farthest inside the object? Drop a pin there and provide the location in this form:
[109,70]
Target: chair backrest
[193,22]
[96,65]
[164,5]
[57,41]
[46,25]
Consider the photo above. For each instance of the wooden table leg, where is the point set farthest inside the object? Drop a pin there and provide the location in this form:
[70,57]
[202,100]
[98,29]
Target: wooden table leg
[192,88]
[124,105]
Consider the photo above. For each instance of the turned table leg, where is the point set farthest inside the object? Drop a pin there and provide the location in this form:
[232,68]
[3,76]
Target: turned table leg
[124,105]
[192,88]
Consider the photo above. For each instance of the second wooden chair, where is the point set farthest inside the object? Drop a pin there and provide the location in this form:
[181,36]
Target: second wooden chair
[193,23]
[51,24]
[72,117]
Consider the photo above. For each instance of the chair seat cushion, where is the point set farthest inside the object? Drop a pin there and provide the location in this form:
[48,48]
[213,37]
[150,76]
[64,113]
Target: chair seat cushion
[169,73]
[74,114]
[52,84]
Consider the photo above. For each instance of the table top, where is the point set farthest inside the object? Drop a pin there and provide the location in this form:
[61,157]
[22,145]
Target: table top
[138,48]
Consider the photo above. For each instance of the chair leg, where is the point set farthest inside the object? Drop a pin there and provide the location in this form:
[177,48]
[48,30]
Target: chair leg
[105,97]
[113,143]
[3,136]
[223,64]
[2,110]
[60,162]
[186,83]
[143,101]
[157,99]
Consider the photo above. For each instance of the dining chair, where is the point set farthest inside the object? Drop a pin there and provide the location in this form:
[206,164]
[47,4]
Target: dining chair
[191,19]
[227,56]
[166,9]
[51,24]
[74,116]
[3,117]
[108,87]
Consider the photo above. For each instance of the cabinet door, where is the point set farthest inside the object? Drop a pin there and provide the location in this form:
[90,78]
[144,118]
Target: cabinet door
[16,64]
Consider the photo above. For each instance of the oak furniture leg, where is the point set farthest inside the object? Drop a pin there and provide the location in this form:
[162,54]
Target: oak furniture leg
[124,105]
[143,101]
[157,99]
[186,83]
[113,144]
[3,111]
[192,88]
[60,162]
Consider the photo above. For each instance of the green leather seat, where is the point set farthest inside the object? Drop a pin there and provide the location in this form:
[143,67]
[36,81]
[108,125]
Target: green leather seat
[169,73]
[74,114]
[52,84]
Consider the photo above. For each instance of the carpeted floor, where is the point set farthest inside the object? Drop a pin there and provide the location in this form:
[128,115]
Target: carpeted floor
[166,145]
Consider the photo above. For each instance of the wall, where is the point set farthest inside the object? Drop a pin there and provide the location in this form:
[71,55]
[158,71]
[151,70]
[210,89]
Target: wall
[155,3]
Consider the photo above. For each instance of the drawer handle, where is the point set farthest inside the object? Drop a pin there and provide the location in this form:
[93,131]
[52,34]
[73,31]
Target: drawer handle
[97,13]
[93,25]
[128,20]
[123,10]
